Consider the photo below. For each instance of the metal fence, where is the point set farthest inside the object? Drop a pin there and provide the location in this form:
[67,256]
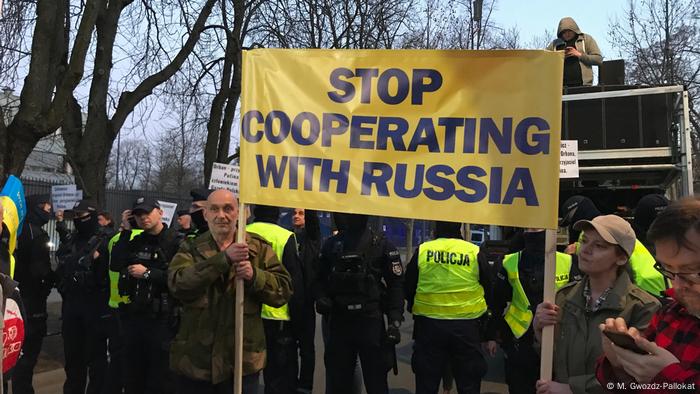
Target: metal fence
[116,201]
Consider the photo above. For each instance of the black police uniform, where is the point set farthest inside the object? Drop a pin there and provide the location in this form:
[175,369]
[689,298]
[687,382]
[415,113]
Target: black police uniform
[35,277]
[522,362]
[149,320]
[309,241]
[85,314]
[360,280]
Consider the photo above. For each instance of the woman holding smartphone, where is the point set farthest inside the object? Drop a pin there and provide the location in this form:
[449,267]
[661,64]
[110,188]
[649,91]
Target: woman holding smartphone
[607,290]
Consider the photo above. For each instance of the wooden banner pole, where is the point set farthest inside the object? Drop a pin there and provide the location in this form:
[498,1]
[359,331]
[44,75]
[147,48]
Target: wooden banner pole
[238,311]
[549,292]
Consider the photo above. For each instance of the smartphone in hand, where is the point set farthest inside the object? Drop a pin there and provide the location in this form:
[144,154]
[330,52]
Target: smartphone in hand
[624,341]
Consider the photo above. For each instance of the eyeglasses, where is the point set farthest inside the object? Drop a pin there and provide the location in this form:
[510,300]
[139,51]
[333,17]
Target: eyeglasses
[688,277]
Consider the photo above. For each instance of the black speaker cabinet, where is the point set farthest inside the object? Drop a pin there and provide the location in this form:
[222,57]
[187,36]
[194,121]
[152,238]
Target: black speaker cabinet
[618,122]
[657,111]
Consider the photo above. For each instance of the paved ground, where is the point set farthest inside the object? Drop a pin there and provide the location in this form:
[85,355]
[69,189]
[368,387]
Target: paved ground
[49,375]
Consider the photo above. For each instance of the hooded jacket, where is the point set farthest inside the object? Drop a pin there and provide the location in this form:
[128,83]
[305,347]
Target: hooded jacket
[33,270]
[590,53]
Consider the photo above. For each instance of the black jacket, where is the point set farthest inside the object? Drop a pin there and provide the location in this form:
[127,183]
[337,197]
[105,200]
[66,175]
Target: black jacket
[33,261]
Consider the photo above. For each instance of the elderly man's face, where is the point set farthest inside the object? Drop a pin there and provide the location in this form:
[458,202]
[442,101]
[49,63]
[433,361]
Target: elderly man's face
[221,212]
[685,260]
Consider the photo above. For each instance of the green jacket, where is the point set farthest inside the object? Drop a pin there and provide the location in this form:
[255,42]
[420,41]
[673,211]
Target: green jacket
[577,341]
[200,277]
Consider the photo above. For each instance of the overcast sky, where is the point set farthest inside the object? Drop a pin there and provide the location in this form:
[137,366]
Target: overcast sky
[533,17]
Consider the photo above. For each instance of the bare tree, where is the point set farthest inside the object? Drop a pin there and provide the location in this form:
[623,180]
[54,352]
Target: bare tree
[132,165]
[55,70]
[658,39]
[355,24]
[15,27]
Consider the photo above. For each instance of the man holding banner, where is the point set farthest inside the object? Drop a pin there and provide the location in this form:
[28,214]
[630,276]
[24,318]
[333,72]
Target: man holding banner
[202,277]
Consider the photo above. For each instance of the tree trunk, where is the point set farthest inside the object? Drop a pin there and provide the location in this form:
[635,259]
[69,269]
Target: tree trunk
[89,151]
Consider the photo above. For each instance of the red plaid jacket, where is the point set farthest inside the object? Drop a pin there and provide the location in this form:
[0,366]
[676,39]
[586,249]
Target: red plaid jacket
[677,331]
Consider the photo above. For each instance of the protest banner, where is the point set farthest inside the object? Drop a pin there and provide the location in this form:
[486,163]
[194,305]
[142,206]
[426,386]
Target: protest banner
[225,176]
[437,135]
[169,209]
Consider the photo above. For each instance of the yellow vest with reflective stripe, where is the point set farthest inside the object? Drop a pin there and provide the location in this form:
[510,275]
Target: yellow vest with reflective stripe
[277,237]
[645,275]
[518,314]
[448,281]
[114,298]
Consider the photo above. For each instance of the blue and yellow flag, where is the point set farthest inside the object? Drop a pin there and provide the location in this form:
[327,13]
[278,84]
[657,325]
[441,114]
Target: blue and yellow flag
[14,207]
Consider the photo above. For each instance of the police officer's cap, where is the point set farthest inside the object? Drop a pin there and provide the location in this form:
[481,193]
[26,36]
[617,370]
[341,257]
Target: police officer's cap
[145,204]
[200,194]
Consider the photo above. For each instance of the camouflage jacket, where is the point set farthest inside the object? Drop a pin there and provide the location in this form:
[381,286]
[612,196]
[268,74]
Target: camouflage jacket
[200,276]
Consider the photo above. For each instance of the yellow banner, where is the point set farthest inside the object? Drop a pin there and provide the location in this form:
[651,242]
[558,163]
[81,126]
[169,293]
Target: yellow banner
[463,136]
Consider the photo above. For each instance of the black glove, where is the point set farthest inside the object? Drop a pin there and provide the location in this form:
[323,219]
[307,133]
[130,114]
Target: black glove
[324,305]
[393,333]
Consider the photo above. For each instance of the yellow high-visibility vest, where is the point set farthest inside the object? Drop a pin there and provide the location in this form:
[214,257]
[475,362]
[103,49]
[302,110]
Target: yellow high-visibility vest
[518,314]
[645,275]
[114,298]
[277,237]
[448,281]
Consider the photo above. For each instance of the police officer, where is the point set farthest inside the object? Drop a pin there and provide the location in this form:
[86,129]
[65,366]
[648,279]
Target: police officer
[517,290]
[35,279]
[307,228]
[641,261]
[360,280]
[184,221]
[280,373]
[445,291]
[199,202]
[149,318]
[84,302]
[645,213]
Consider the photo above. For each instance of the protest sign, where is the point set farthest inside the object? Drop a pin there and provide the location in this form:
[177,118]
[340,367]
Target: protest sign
[169,209]
[63,197]
[568,164]
[225,176]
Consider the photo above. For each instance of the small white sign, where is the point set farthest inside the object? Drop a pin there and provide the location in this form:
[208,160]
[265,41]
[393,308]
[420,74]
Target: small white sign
[169,209]
[568,164]
[225,176]
[63,197]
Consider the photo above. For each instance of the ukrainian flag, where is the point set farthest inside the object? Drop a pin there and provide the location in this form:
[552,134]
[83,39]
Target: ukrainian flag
[15,209]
